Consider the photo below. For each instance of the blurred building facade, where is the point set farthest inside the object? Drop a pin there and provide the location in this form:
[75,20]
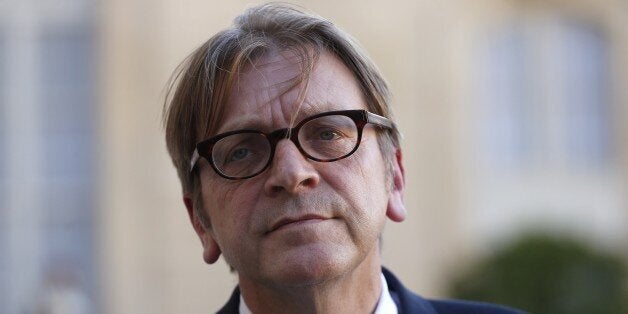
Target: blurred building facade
[543,129]
[514,115]
[48,133]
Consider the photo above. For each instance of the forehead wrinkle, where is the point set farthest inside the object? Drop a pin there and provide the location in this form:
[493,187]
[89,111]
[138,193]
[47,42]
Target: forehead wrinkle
[271,88]
[275,76]
[259,105]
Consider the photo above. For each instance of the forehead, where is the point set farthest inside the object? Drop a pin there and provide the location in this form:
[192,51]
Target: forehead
[268,93]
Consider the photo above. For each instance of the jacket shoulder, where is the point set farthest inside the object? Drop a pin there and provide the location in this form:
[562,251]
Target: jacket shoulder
[468,307]
[409,302]
[233,305]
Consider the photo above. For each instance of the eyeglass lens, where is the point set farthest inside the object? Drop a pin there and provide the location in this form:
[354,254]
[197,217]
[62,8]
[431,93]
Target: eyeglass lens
[324,138]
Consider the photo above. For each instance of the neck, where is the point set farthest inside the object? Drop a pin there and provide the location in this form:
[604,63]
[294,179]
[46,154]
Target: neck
[357,291]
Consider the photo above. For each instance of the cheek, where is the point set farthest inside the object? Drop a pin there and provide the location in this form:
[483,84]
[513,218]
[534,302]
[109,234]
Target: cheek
[226,203]
[361,179]
[368,171]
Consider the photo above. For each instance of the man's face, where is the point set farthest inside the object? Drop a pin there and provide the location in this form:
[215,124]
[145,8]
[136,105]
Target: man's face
[300,221]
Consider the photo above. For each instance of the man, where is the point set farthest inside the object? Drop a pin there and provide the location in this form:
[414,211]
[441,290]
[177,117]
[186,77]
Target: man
[283,140]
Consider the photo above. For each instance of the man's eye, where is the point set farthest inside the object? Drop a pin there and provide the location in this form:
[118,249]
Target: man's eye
[239,154]
[328,135]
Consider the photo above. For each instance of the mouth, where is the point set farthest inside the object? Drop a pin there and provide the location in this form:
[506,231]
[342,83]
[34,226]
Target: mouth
[297,221]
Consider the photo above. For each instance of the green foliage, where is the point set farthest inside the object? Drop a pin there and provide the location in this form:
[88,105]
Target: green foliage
[542,274]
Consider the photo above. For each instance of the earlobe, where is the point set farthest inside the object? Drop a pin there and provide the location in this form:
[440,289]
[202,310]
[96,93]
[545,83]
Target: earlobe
[396,210]
[211,250]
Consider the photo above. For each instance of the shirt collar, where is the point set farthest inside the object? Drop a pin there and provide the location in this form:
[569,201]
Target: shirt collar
[243,308]
[385,305]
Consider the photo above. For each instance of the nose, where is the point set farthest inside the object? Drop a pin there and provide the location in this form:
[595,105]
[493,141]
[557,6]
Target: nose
[290,171]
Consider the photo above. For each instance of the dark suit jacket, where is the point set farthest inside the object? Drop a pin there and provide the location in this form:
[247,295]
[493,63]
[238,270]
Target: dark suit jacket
[407,302]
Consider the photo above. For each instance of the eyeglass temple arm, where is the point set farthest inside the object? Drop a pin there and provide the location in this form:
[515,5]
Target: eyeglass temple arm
[379,120]
[195,157]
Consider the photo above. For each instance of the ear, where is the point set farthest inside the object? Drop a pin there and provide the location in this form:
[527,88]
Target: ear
[396,210]
[211,250]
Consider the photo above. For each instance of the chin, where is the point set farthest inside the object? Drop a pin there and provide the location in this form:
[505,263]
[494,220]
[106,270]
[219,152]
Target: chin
[310,267]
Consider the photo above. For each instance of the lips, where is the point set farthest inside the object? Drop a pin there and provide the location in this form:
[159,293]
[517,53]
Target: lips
[285,222]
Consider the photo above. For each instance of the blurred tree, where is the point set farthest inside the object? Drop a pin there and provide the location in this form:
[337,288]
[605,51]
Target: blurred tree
[544,274]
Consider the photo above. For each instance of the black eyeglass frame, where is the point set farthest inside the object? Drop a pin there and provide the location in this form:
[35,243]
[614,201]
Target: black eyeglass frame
[359,117]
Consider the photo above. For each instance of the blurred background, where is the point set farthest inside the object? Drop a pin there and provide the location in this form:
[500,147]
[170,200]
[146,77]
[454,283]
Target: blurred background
[515,123]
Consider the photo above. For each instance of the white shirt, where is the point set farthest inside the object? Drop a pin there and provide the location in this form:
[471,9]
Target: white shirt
[385,305]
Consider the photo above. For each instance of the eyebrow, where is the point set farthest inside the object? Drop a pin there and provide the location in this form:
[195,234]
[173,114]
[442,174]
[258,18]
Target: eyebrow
[247,121]
[252,121]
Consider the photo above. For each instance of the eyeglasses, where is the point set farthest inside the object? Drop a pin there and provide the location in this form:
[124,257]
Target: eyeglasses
[324,137]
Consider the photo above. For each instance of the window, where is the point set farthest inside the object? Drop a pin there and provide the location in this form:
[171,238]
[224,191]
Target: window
[4,267]
[545,90]
[547,155]
[508,128]
[47,133]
